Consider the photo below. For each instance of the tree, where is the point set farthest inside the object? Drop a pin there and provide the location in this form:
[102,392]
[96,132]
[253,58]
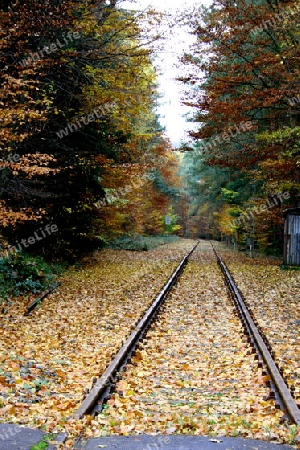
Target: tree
[244,86]
[77,108]
[242,80]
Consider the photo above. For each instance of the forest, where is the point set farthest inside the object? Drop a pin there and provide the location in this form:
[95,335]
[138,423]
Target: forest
[242,81]
[84,159]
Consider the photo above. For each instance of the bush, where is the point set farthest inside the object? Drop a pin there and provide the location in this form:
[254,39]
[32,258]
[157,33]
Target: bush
[21,274]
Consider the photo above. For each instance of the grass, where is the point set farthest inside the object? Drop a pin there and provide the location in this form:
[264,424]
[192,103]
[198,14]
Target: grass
[43,444]
[285,267]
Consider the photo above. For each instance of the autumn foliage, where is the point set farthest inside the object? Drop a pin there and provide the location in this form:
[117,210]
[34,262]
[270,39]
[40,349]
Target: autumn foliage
[242,79]
[77,118]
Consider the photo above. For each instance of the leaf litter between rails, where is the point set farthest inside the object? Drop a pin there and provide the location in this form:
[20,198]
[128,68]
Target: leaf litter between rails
[194,374]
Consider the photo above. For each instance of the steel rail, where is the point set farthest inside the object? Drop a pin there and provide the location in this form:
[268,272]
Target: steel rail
[38,300]
[285,394]
[101,388]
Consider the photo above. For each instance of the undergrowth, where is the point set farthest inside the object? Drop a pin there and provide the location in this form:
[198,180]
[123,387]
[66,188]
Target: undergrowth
[21,273]
[141,243]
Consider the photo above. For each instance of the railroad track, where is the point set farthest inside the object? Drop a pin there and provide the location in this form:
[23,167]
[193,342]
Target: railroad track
[39,300]
[102,387]
[278,390]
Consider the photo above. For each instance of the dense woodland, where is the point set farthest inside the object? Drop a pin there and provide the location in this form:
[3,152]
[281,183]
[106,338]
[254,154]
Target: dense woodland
[81,146]
[242,79]
[83,156]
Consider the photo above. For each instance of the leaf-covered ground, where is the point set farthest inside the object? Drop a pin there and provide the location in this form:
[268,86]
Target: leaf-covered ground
[49,358]
[195,373]
[274,297]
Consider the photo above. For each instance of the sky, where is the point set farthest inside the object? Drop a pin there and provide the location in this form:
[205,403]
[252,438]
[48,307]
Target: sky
[170,109]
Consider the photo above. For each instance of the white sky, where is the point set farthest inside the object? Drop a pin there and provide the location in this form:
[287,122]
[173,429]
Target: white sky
[170,109]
